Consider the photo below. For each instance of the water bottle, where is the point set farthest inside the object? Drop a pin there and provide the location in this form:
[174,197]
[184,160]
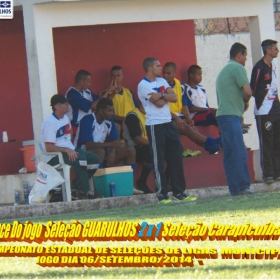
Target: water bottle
[17,197]
[113,190]
[5,136]
[26,192]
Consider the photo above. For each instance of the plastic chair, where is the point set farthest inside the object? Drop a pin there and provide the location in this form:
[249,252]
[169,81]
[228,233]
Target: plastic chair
[65,169]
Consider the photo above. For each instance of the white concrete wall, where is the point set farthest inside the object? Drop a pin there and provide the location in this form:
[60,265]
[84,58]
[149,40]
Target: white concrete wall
[212,55]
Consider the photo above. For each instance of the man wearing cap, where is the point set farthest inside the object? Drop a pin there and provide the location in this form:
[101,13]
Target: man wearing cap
[56,137]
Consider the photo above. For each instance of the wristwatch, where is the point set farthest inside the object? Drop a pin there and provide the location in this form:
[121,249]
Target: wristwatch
[162,95]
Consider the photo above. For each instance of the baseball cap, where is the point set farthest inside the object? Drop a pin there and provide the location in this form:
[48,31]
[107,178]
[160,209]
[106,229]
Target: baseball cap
[58,98]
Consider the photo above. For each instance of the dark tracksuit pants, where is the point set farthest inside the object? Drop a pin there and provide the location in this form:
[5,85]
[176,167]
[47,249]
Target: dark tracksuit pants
[165,145]
[269,135]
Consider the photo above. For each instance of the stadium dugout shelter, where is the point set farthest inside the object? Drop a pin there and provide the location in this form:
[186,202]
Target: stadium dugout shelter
[41,17]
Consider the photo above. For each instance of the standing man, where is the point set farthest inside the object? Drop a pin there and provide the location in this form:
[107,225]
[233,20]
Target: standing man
[267,111]
[56,137]
[154,94]
[234,93]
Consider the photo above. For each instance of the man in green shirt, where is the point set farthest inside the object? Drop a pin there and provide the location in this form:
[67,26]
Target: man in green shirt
[233,94]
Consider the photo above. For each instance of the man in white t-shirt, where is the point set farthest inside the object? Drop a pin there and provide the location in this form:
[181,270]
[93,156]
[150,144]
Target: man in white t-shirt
[155,93]
[56,137]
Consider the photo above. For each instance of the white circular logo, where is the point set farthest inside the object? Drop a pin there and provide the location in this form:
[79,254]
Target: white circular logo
[268,125]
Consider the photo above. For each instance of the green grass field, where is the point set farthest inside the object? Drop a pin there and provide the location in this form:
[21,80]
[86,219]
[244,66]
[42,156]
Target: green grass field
[256,209]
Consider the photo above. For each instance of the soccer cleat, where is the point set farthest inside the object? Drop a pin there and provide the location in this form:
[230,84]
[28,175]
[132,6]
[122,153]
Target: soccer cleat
[163,198]
[78,195]
[245,192]
[190,153]
[135,191]
[74,195]
[212,145]
[184,197]
[92,195]
[268,180]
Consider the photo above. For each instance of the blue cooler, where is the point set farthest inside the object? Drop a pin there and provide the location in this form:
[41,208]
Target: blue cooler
[122,176]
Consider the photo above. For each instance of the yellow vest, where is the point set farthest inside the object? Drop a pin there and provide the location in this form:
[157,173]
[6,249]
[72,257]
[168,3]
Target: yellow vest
[142,121]
[123,103]
[176,108]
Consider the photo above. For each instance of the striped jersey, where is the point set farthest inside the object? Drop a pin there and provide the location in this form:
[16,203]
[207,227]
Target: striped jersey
[91,130]
[80,103]
[264,84]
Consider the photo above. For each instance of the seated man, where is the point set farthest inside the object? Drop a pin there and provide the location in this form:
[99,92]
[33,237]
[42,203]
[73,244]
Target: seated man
[97,133]
[136,136]
[82,100]
[123,99]
[56,137]
[180,112]
[201,113]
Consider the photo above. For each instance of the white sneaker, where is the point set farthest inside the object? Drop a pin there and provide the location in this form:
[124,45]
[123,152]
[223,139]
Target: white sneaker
[135,191]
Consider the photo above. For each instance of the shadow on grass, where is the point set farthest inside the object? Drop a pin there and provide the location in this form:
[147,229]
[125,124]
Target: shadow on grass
[240,205]
[234,271]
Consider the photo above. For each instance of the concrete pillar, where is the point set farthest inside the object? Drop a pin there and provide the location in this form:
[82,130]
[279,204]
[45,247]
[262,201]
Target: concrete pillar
[255,37]
[261,27]
[41,66]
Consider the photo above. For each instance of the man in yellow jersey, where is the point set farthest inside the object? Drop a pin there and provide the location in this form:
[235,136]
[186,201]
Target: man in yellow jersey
[123,99]
[180,112]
